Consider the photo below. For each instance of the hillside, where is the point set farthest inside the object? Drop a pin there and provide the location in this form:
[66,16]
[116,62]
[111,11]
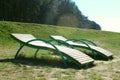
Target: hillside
[46,12]
[48,67]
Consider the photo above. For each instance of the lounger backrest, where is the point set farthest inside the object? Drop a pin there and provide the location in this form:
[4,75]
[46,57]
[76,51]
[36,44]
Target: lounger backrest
[58,38]
[27,37]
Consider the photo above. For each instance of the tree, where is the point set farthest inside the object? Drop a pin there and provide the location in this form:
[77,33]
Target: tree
[43,11]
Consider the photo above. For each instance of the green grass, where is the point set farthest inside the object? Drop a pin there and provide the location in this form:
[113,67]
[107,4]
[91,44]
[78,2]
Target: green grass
[48,67]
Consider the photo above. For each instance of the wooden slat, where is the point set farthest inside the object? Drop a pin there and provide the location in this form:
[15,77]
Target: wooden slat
[86,62]
[98,49]
[77,55]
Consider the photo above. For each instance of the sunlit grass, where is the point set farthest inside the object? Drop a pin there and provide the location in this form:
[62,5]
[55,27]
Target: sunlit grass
[50,67]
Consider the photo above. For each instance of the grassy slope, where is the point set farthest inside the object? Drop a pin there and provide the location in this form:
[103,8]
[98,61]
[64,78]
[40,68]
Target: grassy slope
[9,69]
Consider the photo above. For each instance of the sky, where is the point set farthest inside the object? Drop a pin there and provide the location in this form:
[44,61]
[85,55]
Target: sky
[104,12]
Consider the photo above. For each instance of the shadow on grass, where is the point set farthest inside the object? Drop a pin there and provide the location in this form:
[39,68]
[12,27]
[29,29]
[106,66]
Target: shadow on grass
[99,56]
[55,63]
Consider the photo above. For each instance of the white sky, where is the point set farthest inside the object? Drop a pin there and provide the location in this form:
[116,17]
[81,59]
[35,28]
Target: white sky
[105,12]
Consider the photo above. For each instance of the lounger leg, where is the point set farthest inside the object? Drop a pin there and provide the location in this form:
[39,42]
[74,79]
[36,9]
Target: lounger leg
[21,46]
[65,64]
[95,54]
[36,53]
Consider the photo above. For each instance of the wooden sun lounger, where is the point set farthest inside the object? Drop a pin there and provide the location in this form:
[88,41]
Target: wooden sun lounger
[100,51]
[72,54]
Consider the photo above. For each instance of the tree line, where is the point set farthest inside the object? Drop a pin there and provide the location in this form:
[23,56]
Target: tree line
[43,11]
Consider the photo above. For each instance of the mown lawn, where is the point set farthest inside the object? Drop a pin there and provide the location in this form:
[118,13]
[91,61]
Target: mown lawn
[49,67]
